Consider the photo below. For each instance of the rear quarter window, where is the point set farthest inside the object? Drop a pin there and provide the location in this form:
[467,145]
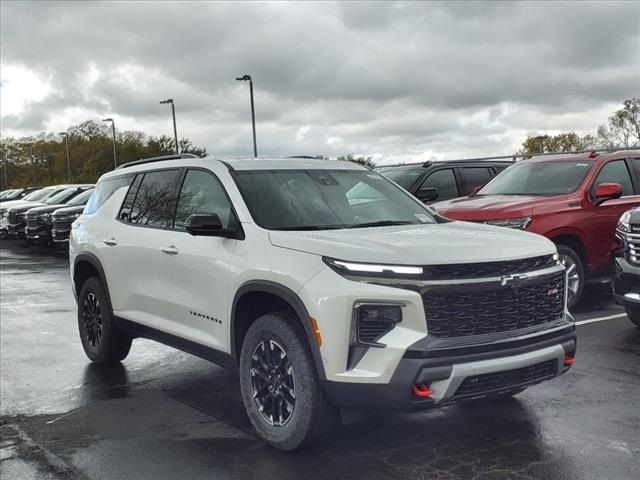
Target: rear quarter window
[104,190]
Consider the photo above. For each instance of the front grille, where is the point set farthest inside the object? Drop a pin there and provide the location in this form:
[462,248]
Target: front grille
[499,381]
[33,222]
[485,270]
[12,218]
[633,241]
[61,224]
[502,309]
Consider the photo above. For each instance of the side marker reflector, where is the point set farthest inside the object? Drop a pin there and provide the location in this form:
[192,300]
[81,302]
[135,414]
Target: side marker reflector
[421,390]
[569,360]
[316,331]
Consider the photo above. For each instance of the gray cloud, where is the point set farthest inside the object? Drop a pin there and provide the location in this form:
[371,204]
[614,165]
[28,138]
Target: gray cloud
[383,78]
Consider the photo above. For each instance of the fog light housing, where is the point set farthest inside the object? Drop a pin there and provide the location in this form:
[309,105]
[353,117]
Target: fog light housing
[373,321]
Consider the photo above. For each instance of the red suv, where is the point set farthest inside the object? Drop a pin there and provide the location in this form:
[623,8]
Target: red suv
[573,199]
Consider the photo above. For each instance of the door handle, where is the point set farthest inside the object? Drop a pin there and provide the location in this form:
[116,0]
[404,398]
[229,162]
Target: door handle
[112,242]
[171,250]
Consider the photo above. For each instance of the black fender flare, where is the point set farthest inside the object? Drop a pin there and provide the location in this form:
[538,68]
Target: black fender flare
[95,263]
[289,296]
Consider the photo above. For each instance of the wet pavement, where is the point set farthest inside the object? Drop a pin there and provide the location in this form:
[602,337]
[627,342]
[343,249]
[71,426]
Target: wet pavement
[164,414]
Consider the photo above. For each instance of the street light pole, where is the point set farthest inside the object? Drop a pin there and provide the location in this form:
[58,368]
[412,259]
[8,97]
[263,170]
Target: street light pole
[245,78]
[113,129]
[66,141]
[173,114]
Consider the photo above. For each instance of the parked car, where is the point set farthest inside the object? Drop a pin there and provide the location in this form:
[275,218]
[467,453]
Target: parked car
[16,218]
[437,181]
[325,284]
[626,276]
[573,199]
[32,198]
[39,220]
[62,218]
[16,194]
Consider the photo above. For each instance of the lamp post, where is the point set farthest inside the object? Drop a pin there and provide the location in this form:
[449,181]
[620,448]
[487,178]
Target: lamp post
[66,141]
[173,114]
[113,129]
[245,78]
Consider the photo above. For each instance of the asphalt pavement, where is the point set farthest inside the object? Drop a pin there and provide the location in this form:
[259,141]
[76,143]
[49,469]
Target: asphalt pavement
[164,414]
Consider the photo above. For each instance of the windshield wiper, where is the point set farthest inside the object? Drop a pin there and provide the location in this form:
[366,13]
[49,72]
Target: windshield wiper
[310,227]
[382,223]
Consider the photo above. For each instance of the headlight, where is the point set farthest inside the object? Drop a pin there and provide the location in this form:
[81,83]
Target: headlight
[370,269]
[521,223]
[75,216]
[373,321]
[623,223]
[45,216]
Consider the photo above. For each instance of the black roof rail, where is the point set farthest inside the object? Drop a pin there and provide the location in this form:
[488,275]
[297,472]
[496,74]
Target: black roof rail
[156,159]
[306,157]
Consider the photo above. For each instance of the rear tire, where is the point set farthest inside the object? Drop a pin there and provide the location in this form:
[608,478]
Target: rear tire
[279,385]
[575,274]
[102,340]
[634,315]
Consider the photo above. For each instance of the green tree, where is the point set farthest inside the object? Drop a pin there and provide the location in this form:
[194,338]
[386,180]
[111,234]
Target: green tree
[623,128]
[366,161]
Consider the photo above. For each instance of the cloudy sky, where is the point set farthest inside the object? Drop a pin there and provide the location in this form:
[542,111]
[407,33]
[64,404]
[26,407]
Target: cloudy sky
[397,81]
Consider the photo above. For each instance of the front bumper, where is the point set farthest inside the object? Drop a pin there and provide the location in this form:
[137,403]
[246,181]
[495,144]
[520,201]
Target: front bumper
[488,369]
[16,230]
[626,283]
[37,233]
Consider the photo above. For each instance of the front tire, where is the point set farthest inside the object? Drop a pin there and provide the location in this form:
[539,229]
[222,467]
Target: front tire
[279,385]
[575,274]
[102,340]
[634,315]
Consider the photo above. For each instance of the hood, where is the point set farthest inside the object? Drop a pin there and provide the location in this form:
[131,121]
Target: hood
[45,209]
[432,244]
[635,215]
[490,207]
[61,212]
[16,203]
[27,206]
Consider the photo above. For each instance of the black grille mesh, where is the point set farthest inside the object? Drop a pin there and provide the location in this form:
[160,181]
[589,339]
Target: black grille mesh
[503,309]
[491,382]
[485,270]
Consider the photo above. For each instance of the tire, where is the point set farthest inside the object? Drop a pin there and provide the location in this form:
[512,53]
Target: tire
[634,315]
[575,271]
[102,340]
[309,419]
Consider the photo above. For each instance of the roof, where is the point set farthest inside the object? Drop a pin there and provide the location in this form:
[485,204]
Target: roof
[478,161]
[582,156]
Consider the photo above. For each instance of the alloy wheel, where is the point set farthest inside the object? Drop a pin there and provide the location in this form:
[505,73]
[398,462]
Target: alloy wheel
[92,320]
[272,383]
[573,277]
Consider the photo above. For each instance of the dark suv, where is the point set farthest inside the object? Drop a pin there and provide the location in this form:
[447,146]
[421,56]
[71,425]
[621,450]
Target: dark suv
[437,181]
[626,275]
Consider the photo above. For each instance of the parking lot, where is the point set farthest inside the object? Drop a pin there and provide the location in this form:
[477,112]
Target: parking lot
[164,414]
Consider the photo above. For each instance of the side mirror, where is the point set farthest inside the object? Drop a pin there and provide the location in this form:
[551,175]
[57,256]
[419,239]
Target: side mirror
[428,194]
[607,191]
[208,225]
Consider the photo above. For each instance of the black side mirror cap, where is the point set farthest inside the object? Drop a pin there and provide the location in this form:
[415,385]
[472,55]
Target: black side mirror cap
[428,194]
[210,225]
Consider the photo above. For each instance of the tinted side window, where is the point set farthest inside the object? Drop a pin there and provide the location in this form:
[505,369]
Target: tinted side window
[474,177]
[155,199]
[445,181]
[616,172]
[104,190]
[127,204]
[202,193]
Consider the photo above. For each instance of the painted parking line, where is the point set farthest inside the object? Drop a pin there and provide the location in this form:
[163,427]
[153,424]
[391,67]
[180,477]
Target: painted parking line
[601,319]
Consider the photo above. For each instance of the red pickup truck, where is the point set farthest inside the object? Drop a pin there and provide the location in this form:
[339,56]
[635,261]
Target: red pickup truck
[573,199]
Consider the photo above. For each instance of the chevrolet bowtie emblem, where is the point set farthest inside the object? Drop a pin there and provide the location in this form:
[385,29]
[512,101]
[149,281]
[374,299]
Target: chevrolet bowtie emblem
[513,280]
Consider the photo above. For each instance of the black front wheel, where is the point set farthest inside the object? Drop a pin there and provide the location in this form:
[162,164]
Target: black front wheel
[634,315]
[279,385]
[102,340]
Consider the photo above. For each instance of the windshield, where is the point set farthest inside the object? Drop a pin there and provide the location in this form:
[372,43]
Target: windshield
[405,177]
[61,197]
[538,178]
[80,199]
[326,199]
[38,194]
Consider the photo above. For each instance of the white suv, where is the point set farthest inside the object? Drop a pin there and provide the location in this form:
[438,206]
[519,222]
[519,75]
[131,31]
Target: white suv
[326,285]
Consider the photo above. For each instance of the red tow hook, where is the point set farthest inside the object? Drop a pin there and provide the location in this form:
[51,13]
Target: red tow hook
[569,360]
[421,390]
